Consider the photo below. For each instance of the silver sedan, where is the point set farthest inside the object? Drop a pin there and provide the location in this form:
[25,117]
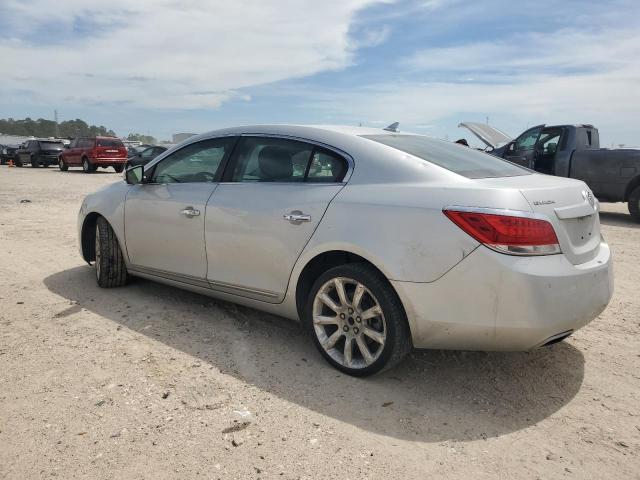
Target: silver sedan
[378,241]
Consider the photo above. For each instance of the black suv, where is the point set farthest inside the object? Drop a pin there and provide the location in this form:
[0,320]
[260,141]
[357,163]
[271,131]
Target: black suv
[39,153]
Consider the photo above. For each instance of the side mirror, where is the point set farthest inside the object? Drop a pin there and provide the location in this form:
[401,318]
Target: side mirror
[511,147]
[134,175]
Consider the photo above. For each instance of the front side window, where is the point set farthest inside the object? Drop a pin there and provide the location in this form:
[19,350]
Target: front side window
[197,162]
[527,141]
[148,153]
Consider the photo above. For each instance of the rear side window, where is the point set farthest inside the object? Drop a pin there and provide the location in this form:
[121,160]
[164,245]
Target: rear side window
[270,159]
[266,159]
[326,166]
[110,142]
[459,159]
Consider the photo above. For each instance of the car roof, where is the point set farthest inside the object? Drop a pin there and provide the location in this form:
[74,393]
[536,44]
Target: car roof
[376,161]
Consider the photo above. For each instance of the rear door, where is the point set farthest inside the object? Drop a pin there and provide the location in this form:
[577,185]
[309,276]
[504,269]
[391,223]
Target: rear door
[522,149]
[164,218]
[260,219]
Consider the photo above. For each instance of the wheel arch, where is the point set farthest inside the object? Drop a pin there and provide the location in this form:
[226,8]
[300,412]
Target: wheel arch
[323,261]
[88,237]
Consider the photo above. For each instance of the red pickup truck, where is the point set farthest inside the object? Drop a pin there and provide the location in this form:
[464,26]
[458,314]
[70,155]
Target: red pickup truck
[93,152]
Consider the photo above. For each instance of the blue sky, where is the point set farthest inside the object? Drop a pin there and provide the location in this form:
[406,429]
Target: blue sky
[171,66]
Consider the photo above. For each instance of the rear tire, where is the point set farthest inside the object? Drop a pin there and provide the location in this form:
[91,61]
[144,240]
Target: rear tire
[34,163]
[62,166]
[118,168]
[18,161]
[634,204]
[111,270]
[87,167]
[360,336]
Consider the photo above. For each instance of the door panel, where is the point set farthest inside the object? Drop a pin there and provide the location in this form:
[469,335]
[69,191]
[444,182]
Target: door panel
[160,235]
[164,219]
[251,247]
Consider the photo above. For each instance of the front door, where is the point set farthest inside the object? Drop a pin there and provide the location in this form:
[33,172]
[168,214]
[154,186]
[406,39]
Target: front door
[523,149]
[260,219]
[164,217]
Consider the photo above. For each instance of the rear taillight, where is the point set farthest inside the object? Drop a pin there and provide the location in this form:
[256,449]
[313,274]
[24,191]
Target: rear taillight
[512,234]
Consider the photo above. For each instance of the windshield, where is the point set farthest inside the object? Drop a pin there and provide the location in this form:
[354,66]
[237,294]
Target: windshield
[459,159]
[51,145]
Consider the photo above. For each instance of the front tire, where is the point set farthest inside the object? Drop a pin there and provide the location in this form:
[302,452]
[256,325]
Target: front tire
[634,204]
[111,270]
[62,166]
[357,320]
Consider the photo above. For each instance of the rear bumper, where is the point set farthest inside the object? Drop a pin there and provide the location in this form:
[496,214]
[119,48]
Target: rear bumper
[48,159]
[491,301]
[108,161]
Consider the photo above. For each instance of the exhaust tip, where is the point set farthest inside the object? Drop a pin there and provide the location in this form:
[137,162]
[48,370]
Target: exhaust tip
[556,338]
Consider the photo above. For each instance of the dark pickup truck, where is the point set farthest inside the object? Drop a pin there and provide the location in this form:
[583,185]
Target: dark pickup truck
[571,151]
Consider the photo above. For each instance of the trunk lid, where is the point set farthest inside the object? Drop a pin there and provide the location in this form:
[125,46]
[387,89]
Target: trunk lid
[490,136]
[568,204]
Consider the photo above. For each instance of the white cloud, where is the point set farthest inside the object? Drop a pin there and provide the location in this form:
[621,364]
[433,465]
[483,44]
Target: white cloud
[170,54]
[561,77]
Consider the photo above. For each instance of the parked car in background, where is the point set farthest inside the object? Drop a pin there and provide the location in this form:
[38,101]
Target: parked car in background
[571,151]
[7,152]
[134,149]
[93,152]
[38,153]
[377,240]
[145,156]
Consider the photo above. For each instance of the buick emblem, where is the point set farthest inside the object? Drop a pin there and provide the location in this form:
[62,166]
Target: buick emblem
[588,196]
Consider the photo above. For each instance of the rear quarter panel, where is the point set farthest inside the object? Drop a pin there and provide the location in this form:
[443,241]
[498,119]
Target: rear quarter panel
[401,229]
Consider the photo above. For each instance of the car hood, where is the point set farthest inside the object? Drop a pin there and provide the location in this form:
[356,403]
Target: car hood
[490,136]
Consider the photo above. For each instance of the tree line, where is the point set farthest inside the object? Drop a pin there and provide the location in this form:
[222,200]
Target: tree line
[47,128]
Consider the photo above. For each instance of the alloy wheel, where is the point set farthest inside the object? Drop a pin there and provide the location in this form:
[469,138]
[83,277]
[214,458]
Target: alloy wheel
[349,323]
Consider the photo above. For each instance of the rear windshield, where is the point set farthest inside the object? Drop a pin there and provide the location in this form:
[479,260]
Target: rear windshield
[459,159]
[110,142]
[51,145]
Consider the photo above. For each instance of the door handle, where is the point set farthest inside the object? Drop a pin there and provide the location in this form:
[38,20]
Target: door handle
[297,217]
[190,212]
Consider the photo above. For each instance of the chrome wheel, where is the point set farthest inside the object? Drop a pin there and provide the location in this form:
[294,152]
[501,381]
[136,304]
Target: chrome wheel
[97,246]
[349,323]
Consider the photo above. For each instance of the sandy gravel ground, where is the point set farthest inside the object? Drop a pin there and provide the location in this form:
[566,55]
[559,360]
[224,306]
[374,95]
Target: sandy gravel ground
[148,381]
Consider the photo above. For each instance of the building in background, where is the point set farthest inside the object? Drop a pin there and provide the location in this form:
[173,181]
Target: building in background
[180,137]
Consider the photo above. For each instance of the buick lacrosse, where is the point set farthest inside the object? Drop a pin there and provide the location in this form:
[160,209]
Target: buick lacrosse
[378,241]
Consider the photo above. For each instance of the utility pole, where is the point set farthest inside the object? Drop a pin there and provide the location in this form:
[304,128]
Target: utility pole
[55,116]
